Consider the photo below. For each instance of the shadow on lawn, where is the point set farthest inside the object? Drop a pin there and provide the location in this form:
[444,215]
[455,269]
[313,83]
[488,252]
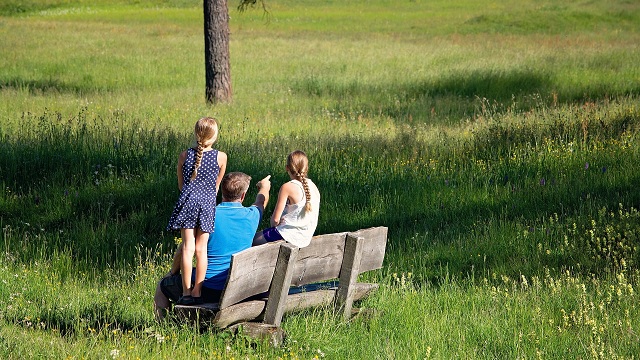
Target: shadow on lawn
[97,190]
[106,223]
[452,97]
[104,193]
[47,86]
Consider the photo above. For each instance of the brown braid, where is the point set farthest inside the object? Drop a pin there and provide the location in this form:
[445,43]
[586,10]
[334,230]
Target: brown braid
[298,164]
[198,161]
[307,193]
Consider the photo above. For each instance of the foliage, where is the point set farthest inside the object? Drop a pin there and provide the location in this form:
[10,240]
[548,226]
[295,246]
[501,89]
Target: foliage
[612,238]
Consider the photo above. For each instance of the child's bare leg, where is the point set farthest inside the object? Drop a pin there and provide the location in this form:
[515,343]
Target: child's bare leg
[160,304]
[202,239]
[188,249]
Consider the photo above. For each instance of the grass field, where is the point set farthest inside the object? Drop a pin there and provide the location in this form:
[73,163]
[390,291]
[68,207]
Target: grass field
[497,141]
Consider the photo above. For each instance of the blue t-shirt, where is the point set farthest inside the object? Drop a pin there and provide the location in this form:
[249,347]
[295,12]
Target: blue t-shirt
[236,226]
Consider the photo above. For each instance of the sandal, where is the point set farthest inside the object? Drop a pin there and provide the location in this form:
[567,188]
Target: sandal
[186,300]
[189,300]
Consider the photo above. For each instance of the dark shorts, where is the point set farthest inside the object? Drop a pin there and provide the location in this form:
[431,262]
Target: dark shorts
[171,287]
[271,234]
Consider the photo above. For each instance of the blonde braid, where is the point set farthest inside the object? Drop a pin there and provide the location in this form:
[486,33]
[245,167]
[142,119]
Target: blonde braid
[198,161]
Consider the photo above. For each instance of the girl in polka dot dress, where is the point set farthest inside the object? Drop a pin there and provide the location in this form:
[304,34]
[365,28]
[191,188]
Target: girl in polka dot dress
[200,171]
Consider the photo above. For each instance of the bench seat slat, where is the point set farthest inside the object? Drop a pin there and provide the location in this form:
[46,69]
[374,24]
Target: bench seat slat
[304,300]
[244,311]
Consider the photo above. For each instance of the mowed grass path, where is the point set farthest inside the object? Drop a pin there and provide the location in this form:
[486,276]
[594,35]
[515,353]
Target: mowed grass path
[498,142]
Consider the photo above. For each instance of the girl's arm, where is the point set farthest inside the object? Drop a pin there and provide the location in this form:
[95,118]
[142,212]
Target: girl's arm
[222,162]
[288,191]
[280,203]
[181,160]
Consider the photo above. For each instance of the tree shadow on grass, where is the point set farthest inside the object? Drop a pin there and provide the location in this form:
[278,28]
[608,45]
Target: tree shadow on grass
[105,193]
[109,221]
[48,86]
[100,191]
[453,96]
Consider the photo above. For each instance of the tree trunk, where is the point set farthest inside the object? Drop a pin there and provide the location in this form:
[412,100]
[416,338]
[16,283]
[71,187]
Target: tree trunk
[216,51]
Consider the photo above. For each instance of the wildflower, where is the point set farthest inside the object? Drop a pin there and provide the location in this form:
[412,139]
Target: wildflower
[586,165]
[159,338]
[114,353]
[604,169]
[542,182]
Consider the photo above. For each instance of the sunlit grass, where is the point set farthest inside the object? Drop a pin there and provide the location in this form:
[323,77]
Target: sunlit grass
[499,144]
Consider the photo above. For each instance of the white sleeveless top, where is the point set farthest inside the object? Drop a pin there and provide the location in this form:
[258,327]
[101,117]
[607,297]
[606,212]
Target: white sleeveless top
[296,225]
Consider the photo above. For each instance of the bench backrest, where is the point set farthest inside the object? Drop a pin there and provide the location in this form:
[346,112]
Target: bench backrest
[252,270]
[322,259]
[250,273]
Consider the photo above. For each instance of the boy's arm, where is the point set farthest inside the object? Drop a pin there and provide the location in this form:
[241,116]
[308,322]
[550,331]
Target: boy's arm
[177,258]
[262,199]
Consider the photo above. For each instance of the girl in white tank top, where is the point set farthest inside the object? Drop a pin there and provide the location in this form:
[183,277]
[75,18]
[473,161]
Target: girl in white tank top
[295,216]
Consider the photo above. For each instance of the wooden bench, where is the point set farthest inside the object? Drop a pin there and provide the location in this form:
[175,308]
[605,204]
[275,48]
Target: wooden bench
[267,281]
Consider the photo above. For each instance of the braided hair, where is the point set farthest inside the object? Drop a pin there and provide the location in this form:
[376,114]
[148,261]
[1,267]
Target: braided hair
[206,133]
[298,165]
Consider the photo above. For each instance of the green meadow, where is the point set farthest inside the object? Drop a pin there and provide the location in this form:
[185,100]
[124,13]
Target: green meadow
[498,141]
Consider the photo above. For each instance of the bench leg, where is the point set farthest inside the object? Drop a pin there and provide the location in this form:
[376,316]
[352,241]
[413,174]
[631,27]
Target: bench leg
[349,274]
[280,284]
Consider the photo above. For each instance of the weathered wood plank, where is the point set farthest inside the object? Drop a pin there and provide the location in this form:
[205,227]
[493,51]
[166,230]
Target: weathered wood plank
[274,335]
[322,259]
[319,261]
[373,248]
[305,300]
[349,274]
[212,315]
[203,312]
[244,311]
[250,273]
[362,290]
[280,284]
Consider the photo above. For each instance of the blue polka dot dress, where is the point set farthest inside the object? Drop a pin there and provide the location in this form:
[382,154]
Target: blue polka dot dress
[197,203]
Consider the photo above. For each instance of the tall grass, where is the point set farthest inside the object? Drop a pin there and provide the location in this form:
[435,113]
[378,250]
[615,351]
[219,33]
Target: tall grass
[499,145]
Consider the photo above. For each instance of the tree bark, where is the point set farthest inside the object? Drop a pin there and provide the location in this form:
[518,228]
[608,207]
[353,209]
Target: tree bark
[216,51]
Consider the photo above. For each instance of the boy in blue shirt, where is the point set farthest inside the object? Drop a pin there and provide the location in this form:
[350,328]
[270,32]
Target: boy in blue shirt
[235,227]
